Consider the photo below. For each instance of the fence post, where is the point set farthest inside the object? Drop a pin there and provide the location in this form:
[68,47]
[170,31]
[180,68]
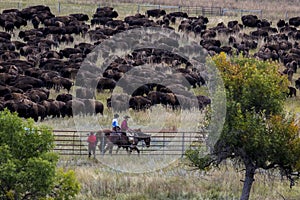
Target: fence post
[183,147]
[58,7]
[80,143]
[164,140]
[138,10]
[73,143]
[261,14]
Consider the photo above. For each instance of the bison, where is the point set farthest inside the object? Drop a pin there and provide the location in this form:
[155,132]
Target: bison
[155,13]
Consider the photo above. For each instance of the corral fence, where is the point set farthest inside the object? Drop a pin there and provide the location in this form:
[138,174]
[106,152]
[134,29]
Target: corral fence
[241,12]
[200,10]
[196,10]
[74,143]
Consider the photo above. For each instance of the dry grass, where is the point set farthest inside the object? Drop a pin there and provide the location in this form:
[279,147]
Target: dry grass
[177,182]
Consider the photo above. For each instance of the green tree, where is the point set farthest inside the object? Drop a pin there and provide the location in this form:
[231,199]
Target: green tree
[257,133]
[28,164]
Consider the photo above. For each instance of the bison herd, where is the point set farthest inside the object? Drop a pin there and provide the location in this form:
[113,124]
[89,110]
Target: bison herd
[48,55]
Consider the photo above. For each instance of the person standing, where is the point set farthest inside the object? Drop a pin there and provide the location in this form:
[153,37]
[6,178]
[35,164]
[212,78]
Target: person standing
[92,141]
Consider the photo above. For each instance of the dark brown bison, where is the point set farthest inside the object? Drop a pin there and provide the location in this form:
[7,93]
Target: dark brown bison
[106,12]
[38,94]
[259,33]
[84,93]
[101,20]
[5,35]
[169,99]
[106,84]
[93,107]
[294,21]
[155,13]
[292,91]
[26,108]
[178,14]
[69,51]
[250,20]
[141,91]
[139,103]
[61,82]
[53,107]
[64,97]
[4,90]
[297,83]
[155,97]
[203,101]
[186,27]
[73,107]
[20,81]
[80,16]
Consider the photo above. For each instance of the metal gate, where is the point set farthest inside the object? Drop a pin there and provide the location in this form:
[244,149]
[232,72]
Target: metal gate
[73,142]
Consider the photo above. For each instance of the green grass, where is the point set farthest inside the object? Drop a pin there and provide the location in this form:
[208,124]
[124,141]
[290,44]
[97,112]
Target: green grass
[293,104]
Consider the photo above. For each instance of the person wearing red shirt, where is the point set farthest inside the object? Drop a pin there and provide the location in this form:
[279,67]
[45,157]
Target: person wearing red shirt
[125,128]
[92,141]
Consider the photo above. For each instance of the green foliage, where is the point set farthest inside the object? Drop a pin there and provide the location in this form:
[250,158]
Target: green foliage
[256,132]
[195,156]
[252,84]
[27,164]
[256,128]
[66,186]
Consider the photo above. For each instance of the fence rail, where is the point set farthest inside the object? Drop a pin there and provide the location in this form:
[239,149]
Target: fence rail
[162,143]
[232,12]
[200,10]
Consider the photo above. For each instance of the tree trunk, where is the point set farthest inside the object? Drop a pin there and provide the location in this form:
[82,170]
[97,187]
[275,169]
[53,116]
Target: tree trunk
[249,178]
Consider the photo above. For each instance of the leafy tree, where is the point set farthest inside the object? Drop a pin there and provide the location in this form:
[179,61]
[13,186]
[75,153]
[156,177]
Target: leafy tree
[257,133]
[28,164]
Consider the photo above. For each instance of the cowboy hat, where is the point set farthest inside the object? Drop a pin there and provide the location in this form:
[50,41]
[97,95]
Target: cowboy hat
[116,115]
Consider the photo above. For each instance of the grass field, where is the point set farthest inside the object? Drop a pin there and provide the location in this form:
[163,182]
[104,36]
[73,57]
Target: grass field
[177,180]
